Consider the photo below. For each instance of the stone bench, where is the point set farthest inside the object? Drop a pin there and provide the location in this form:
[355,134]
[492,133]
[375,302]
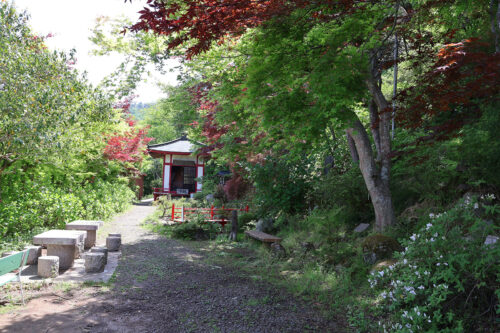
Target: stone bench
[90,227]
[65,244]
[262,236]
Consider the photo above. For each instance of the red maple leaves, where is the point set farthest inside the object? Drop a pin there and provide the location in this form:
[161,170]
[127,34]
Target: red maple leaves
[464,77]
[208,21]
[130,146]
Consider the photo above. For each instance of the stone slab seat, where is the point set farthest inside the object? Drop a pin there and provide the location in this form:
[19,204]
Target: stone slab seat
[262,236]
[99,223]
[65,244]
[48,266]
[90,227]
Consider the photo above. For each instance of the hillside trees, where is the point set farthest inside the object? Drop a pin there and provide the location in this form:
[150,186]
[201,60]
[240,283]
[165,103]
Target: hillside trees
[313,64]
[41,97]
[53,126]
[295,92]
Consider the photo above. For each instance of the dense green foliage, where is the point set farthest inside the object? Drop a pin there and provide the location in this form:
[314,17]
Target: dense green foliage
[274,102]
[53,131]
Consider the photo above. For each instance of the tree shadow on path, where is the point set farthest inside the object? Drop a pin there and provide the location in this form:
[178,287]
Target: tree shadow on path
[163,286]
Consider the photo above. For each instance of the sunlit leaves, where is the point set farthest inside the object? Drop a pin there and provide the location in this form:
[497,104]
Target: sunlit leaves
[41,97]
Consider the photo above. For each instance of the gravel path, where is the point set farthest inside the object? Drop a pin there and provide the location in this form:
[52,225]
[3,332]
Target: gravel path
[164,286]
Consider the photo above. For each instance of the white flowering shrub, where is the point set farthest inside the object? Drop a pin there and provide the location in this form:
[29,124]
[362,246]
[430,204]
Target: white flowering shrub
[446,279]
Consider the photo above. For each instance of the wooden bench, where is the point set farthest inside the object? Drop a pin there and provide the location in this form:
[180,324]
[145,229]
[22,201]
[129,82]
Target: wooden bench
[11,263]
[262,236]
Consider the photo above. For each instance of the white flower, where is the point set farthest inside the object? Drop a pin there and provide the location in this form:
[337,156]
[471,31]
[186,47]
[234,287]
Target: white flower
[431,215]
[413,237]
[476,206]
[427,226]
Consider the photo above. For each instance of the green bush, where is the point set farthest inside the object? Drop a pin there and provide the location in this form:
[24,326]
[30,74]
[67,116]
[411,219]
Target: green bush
[281,186]
[348,191]
[244,220]
[196,229]
[446,279]
[35,206]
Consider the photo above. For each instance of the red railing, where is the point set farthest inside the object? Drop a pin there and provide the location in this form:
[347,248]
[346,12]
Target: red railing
[212,214]
[157,191]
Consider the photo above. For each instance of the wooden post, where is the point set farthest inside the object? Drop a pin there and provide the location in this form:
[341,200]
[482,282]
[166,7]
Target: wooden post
[173,212]
[234,225]
[212,212]
[182,214]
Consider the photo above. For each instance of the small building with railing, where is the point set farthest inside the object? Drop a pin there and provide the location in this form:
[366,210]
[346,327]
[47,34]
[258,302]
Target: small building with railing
[182,166]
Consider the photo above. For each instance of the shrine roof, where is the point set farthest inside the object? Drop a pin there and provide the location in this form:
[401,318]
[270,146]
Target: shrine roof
[181,145]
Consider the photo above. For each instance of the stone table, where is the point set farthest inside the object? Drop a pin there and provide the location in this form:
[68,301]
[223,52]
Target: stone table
[90,227]
[63,244]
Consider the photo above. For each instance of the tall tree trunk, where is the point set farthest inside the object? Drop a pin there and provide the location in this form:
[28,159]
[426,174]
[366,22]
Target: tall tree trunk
[495,23]
[234,226]
[375,178]
[384,210]
[352,147]
[374,126]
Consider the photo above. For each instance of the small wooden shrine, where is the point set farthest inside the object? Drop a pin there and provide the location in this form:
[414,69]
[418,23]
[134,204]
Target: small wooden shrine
[182,165]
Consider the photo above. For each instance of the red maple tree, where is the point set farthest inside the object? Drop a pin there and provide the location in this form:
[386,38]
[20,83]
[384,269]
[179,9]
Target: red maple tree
[464,76]
[129,146]
[206,21]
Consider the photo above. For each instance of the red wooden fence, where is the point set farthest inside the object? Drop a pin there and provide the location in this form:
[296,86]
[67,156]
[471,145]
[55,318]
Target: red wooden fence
[212,214]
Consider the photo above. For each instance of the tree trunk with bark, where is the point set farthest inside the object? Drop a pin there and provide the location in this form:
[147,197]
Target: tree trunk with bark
[234,226]
[352,147]
[376,171]
[375,177]
[495,22]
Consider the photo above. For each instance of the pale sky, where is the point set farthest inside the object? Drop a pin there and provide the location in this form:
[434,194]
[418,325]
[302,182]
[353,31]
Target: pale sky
[71,21]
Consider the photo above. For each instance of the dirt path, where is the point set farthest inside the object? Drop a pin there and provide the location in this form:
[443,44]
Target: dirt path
[164,286]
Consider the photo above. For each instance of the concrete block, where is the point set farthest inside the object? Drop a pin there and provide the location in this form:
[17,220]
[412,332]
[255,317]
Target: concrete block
[101,249]
[90,227]
[94,262]
[113,243]
[48,266]
[90,240]
[66,254]
[491,240]
[362,227]
[79,249]
[57,237]
[33,253]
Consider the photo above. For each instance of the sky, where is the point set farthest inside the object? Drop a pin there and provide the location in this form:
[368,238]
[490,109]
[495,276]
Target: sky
[71,21]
